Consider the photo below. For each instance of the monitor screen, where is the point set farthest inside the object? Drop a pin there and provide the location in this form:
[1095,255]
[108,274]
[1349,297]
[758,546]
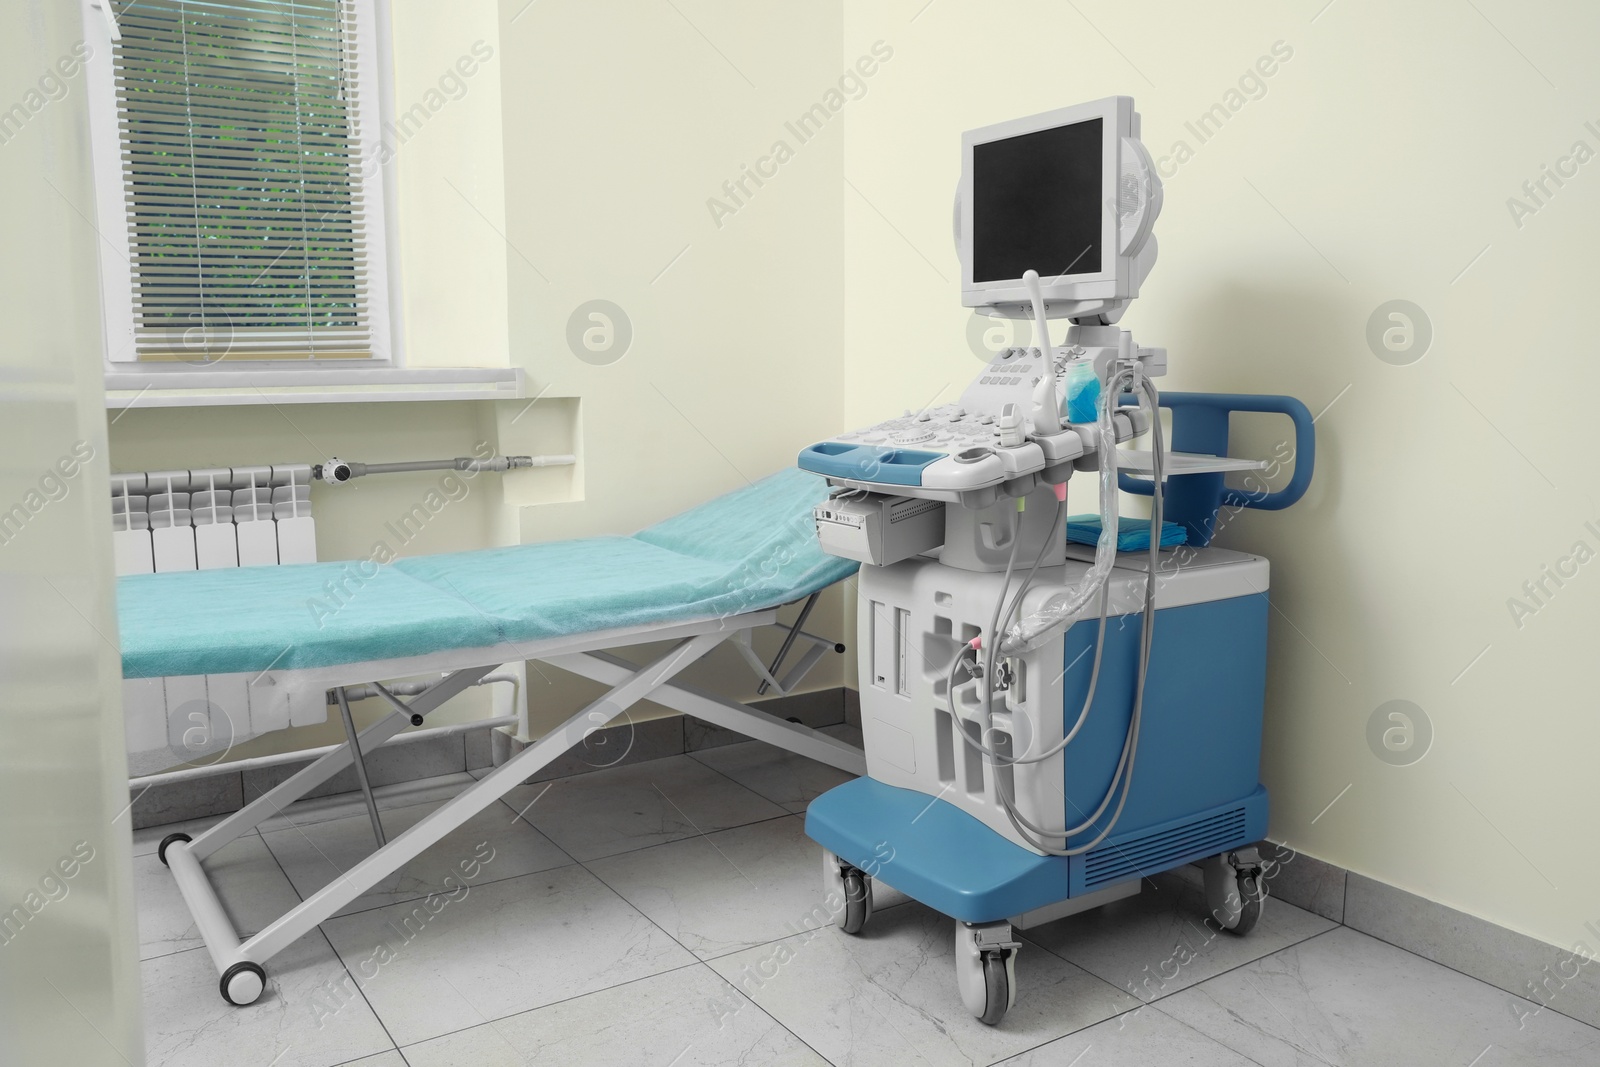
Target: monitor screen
[1036,203]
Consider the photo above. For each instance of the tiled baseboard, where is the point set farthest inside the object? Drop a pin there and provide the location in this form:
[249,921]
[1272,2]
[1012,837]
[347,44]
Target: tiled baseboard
[1551,978]
[1305,881]
[629,742]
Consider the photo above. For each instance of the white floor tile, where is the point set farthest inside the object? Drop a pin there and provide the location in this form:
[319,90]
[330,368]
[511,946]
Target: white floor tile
[315,854]
[310,1015]
[1346,998]
[727,891]
[502,948]
[247,879]
[623,808]
[1162,940]
[687,1018]
[540,961]
[350,805]
[1142,1038]
[889,996]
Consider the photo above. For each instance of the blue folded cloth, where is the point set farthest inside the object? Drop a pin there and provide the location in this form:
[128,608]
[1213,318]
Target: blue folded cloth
[1133,534]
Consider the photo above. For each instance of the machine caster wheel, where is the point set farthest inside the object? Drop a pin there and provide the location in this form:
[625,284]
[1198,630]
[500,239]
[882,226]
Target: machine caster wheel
[242,983]
[997,986]
[1234,893]
[1250,892]
[161,851]
[857,901]
[851,885]
[986,969]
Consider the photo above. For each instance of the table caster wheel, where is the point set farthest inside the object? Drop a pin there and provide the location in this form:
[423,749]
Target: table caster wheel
[850,885]
[986,969]
[1234,892]
[242,983]
[161,850]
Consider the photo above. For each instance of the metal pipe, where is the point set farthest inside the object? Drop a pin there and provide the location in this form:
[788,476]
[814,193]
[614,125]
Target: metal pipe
[465,463]
[360,764]
[338,470]
[210,919]
[815,639]
[280,758]
[788,641]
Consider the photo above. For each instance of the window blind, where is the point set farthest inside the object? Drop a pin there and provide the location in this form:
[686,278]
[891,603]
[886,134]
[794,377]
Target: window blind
[240,149]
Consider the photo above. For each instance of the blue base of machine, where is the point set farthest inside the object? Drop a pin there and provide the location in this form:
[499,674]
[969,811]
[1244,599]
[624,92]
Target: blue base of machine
[1195,789]
[938,854]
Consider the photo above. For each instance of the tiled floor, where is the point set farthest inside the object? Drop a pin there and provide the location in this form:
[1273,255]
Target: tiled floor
[668,913]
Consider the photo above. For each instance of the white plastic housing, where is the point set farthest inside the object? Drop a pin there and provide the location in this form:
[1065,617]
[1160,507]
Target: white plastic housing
[1130,200]
[913,618]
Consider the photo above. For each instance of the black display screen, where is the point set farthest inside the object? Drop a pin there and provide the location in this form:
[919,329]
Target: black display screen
[1036,204]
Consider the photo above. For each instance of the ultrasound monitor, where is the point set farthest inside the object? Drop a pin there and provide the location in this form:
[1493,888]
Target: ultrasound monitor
[1070,194]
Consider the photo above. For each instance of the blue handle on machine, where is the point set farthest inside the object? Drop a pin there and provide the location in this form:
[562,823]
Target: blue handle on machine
[867,463]
[1200,424]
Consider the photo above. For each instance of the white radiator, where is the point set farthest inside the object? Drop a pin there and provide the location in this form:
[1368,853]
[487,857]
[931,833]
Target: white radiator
[200,520]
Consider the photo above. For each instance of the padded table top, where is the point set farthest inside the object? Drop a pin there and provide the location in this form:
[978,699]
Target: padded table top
[753,548]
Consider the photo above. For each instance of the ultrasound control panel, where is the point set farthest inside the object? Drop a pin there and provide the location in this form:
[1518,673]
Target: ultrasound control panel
[975,443]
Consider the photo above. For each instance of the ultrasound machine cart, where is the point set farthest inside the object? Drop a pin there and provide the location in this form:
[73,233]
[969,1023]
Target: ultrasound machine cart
[1044,726]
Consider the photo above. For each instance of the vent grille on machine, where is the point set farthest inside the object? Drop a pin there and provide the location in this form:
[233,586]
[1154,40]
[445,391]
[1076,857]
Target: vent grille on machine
[1163,850]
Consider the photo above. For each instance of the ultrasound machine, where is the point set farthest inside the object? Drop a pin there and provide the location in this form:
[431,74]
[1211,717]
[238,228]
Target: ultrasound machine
[1052,711]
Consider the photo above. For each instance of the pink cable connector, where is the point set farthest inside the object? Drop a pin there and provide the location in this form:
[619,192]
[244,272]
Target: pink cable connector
[1061,492]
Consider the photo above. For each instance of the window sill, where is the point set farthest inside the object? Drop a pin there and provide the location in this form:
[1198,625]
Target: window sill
[161,388]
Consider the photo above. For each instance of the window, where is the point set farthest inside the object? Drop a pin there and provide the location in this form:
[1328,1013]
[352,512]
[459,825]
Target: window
[238,182]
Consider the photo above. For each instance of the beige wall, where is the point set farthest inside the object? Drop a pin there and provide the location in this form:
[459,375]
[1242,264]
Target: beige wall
[621,121]
[1376,166]
[618,129]
[68,947]
[450,173]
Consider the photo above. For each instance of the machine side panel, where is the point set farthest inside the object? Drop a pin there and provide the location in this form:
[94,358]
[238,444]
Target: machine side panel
[1200,742]
[913,619]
